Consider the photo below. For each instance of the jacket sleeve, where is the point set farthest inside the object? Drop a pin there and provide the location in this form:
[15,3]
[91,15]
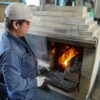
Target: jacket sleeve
[12,73]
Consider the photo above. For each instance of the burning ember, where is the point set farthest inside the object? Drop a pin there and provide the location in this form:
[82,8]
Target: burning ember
[53,51]
[65,58]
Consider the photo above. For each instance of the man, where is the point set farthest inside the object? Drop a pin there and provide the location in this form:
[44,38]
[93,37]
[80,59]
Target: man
[18,62]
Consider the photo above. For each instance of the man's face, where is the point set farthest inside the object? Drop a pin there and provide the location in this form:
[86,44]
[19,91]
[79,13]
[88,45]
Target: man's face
[23,29]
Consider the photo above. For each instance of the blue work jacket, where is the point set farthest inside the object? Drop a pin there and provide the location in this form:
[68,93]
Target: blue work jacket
[19,68]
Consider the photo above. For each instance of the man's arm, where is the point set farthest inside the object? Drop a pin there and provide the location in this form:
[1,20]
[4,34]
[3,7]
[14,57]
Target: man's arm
[12,73]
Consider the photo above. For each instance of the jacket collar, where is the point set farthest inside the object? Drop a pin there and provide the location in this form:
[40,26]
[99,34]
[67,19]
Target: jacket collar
[19,41]
[16,39]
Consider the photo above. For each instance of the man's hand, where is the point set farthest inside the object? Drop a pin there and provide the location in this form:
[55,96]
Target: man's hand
[40,80]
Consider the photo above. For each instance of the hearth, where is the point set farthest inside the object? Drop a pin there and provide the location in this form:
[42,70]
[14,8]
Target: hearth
[71,63]
[66,63]
[65,31]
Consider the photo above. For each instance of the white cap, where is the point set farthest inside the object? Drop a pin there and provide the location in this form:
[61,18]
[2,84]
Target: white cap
[18,11]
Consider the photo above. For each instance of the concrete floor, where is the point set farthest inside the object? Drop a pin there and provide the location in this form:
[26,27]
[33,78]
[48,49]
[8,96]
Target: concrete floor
[48,94]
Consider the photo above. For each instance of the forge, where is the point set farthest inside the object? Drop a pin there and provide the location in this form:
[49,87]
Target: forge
[68,39]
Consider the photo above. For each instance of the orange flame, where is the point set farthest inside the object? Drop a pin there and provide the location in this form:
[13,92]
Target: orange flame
[65,58]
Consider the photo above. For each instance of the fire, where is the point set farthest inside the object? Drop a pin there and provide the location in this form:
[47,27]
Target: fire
[53,51]
[65,58]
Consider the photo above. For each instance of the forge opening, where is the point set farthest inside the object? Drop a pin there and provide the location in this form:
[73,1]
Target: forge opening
[66,62]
